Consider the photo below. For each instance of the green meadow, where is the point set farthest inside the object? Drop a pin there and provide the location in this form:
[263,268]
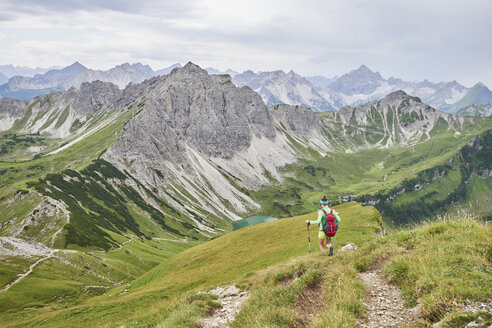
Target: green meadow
[436,265]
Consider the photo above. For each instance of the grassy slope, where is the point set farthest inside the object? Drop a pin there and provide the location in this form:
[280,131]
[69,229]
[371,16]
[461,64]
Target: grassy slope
[14,174]
[434,264]
[153,297]
[360,173]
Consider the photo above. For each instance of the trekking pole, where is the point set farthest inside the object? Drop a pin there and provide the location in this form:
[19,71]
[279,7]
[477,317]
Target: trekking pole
[309,239]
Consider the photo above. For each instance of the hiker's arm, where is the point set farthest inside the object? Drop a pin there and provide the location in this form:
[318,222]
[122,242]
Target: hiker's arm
[318,221]
[337,217]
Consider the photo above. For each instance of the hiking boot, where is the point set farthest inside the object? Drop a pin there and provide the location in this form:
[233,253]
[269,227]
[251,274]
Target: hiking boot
[330,253]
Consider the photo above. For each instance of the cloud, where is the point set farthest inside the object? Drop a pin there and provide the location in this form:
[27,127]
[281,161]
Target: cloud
[162,8]
[418,39]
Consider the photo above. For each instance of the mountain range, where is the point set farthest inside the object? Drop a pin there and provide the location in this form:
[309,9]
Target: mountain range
[105,191]
[200,133]
[276,87]
[356,87]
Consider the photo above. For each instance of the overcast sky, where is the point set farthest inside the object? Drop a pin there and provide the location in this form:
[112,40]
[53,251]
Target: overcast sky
[441,40]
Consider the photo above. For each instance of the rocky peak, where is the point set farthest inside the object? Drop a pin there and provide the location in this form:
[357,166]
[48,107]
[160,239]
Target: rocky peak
[396,96]
[189,69]
[205,112]
[364,71]
[359,81]
[74,68]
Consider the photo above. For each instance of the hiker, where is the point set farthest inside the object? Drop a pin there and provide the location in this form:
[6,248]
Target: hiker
[333,219]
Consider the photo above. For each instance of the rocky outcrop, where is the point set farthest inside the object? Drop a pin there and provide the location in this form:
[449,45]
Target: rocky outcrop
[295,119]
[10,111]
[396,119]
[231,300]
[188,119]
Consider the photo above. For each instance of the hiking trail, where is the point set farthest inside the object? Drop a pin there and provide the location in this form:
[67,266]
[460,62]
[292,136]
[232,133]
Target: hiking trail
[385,306]
[232,299]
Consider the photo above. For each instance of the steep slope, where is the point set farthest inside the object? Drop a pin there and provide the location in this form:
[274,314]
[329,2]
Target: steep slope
[200,131]
[442,187]
[368,149]
[397,119]
[61,114]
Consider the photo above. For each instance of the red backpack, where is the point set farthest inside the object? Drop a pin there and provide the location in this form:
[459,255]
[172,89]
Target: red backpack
[330,225]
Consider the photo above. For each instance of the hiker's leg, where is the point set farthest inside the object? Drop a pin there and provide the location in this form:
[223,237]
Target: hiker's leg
[321,245]
[321,241]
[328,242]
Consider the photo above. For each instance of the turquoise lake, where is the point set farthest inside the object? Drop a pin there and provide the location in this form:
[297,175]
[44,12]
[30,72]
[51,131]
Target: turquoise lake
[251,220]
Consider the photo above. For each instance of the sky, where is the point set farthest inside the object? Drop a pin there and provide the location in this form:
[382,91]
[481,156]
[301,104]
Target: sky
[410,39]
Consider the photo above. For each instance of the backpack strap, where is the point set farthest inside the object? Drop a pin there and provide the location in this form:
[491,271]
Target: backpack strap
[324,212]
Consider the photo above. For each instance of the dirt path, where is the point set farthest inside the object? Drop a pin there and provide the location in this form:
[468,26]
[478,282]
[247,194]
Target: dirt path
[385,306]
[308,305]
[25,274]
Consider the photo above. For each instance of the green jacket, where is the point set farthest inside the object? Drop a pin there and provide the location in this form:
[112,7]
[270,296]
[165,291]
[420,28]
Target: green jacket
[321,217]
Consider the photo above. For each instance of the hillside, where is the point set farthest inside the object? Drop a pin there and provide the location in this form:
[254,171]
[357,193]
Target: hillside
[221,261]
[270,261]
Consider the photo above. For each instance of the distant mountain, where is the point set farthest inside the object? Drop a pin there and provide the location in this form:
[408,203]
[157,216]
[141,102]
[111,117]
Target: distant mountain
[476,110]
[321,81]
[51,79]
[214,71]
[26,88]
[280,88]
[3,79]
[120,75]
[359,86]
[478,94]
[167,70]
[359,81]
[11,70]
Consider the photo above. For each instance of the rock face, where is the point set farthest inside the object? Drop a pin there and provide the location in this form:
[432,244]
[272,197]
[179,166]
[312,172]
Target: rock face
[190,122]
[190,107]
[10,111]
[295,119]
[200,144]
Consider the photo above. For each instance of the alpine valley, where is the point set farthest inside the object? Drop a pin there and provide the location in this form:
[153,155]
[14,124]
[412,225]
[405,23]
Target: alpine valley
[119,190]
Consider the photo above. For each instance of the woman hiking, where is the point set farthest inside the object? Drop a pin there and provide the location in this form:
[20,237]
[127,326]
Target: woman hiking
[323,214]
